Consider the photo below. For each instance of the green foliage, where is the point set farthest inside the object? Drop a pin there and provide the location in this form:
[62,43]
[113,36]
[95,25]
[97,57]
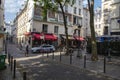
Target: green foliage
[104,46]
[53,6]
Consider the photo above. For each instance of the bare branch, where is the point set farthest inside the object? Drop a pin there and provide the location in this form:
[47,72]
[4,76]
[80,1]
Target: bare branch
[89,6]
[64,3]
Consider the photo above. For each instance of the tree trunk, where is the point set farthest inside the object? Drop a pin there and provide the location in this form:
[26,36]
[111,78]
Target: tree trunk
[94,56]
[66,29]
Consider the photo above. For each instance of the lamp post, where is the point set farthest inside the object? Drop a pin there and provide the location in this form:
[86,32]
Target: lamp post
[79,43]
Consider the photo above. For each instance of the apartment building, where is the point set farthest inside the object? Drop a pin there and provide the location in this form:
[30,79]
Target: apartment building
[86,22]
[115,18]
[10,30]
[32,29]
[1,24]
[105,21]
[97,22]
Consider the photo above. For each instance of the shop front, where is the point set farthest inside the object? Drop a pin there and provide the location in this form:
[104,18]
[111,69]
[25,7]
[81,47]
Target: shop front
[43,38]
[73,42]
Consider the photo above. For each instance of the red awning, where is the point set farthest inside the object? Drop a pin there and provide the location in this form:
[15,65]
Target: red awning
[45,36]
[37,36]
[50,37]
[79,38]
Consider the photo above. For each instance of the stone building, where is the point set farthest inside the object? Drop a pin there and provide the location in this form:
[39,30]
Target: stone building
[2,33]
[32,29]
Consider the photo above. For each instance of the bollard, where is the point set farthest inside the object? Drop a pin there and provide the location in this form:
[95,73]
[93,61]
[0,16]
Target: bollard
[53,55]
[14,69]
[71,58]
[47,55]
[11,62]
[42,54]
[60,56]
[85,61]
[9,59]
[104,69]
[24,76]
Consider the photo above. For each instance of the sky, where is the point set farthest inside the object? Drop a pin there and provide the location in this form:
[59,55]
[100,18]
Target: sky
[13,6]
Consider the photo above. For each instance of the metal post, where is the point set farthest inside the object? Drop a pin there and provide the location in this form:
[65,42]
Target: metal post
[53,55]
[85,61]
[24,76]
[71,58]
[11,63]
[60,56]
[47,55]
[109,55]
[119,17]
[104,70]
[5,47]
[42,54]
[14,69]
[9,59]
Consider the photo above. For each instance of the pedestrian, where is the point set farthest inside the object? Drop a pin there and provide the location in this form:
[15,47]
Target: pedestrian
[27,50]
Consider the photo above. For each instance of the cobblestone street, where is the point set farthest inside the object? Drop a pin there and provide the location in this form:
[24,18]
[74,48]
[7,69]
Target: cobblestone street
[39,67]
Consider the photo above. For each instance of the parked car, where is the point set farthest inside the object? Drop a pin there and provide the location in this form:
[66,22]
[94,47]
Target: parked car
[35,49]
[43,48]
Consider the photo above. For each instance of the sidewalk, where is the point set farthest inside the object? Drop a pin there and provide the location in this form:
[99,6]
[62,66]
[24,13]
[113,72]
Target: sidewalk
[112,69]
[7,74]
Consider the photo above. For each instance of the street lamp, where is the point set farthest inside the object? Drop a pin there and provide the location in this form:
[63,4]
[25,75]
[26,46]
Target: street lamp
[79,43]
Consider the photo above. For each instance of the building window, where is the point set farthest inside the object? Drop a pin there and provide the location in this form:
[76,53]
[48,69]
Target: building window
[0,2]
[99,26]
[51,14]
[34,30]
[79,11]
[38,11]
[44,28]
[60,17]
[106,30]
[66,8]
[75,10]
[56,30]
[74,20]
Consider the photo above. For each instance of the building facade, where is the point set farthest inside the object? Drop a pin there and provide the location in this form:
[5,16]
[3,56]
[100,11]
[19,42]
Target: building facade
[105,21]
[86,22]
[30,20]
[97,22]
[1,25]
[115,18]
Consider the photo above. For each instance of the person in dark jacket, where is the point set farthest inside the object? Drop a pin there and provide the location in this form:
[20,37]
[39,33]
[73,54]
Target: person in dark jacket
[27,50]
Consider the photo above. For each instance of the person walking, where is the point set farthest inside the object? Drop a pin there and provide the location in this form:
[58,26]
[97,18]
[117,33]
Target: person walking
[27,50]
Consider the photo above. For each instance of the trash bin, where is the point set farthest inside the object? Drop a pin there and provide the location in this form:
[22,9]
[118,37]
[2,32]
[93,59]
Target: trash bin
[2,62]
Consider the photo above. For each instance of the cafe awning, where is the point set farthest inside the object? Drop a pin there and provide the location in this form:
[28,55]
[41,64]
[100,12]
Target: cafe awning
[50,37]
[47,36]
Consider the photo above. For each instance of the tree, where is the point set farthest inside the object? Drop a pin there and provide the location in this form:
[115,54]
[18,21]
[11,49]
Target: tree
[52,5]
[94,56]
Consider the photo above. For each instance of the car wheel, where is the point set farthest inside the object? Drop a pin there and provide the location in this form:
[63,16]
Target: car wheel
[38,51]
[51,50]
